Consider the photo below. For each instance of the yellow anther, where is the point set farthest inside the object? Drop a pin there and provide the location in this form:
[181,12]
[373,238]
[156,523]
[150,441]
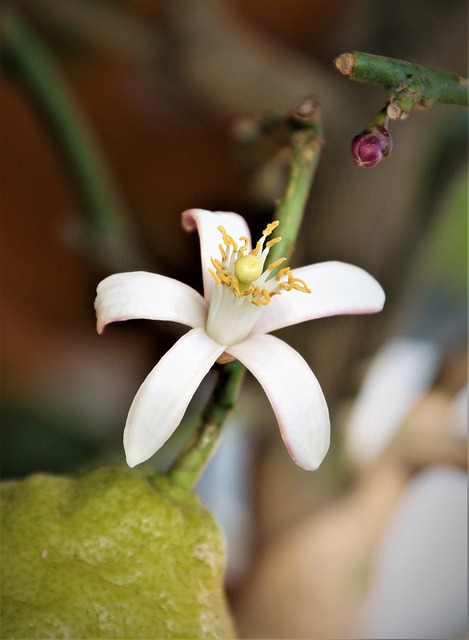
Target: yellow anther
[300,285]
[256,250]
[271,243]
[217,264]
[245,245]
[224,278]
[270,227]
[228,240]
[224,255]
[275,264]
[214,275]
[282,273]
[259,296]
[235,285]
[256,290]
[248,267]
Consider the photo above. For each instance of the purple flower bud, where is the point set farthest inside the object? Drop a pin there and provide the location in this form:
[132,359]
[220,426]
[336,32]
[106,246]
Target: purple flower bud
[370,147]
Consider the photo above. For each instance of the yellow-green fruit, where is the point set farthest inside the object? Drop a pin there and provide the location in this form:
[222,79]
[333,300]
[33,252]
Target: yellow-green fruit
[112,554]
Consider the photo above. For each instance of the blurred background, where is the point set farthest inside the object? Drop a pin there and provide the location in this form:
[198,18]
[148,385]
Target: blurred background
[373,544]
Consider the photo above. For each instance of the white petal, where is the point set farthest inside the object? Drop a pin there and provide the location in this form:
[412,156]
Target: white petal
[418,580]
[402,370]
[294,393]
[337,288]
[162,399]
[138,294]
[207,223]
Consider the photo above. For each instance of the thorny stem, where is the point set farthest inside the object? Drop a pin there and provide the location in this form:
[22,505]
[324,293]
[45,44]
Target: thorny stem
[306,143]
[412,86]
[33,66]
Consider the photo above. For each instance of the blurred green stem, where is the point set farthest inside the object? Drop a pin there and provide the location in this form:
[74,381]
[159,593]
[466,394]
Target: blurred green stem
[306,143]
[29,60]
[411,85]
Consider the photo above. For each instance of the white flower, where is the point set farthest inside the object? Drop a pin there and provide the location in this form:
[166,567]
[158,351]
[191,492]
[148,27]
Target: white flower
[241,305]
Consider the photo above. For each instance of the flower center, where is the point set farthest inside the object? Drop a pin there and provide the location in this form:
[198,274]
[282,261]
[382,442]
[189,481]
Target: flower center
[243,287]
[247,269]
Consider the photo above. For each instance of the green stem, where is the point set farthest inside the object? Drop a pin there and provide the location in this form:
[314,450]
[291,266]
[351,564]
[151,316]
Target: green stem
[380,119]
[188,466]
[26,56]
[306,143]
[411,85]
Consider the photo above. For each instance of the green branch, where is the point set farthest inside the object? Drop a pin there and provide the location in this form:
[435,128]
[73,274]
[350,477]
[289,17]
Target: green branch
[189,465]
[411,85]
[306,143]
[34,68]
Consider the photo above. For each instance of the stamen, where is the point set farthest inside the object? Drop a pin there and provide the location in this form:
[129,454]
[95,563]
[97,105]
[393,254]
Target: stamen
[271,243]
[266,295]
[223,253]
[255,252]
[217,264]
[270,227]
[224,278]
[240,271]
[235,285]
[214,275]
[272,265]
[282,273]
[256,290]
[228,240]
[245,245]
[300,285]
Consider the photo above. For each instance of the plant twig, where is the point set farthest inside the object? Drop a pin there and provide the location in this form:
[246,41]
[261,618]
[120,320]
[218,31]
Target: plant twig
[108,235]
[412,86]
[306,143]
[189,465]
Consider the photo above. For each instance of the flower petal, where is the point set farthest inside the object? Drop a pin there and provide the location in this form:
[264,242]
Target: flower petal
[402,370]
[337,288]
[207,223]
[294,393]
[162,399]
[138,294]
